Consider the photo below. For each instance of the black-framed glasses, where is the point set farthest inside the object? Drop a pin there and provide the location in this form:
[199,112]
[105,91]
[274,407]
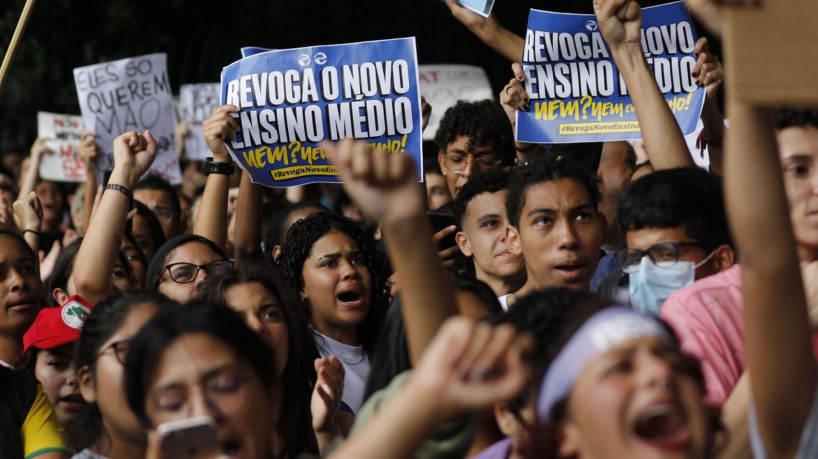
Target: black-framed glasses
[120,349]
[457,162]
[663,255]
[185,273]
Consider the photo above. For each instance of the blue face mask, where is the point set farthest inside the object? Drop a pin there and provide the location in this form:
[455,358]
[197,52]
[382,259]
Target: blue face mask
[651,284]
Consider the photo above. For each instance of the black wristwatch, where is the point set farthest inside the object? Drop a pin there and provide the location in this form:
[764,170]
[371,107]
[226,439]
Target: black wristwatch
[211,167]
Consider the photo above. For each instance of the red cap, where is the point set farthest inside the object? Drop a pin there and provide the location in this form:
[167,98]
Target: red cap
[57,326]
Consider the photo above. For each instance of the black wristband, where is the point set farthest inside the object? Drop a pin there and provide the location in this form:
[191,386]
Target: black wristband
[211,167]
[123,190]
[36,233]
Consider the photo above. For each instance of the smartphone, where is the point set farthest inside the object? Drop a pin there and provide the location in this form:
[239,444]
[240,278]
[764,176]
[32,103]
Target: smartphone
[190,438]
[442,220]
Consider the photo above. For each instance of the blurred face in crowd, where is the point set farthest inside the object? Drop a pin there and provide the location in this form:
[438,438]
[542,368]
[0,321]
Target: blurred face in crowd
[559,234]
[437,191]
[55,371]
[13,161]
[798,150]
[200,375]
[337,284]
[160,202]
[294,217]
[140,230]
[53,203]
[639,399]
[616,167]
[8,188]
[262,313]
[483,238]
[133,256]
[104,384]
[20,288]
[460,160]
[183,288]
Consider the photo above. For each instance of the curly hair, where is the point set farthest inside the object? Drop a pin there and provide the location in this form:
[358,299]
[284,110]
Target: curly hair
[298,245]
[544,171]
[796,117]
[296,427]
[488,181]
[483,122]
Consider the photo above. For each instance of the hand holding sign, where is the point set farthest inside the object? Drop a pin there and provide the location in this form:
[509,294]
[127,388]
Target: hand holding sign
[133,155]
[383,184]
[219,128]
[620,22]
[709,71]
[88,149]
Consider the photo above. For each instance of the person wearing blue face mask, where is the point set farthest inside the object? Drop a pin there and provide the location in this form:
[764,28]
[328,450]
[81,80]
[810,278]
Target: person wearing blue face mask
[676,233]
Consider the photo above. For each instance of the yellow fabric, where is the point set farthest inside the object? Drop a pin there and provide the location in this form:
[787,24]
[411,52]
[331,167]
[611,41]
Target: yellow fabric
[41,431]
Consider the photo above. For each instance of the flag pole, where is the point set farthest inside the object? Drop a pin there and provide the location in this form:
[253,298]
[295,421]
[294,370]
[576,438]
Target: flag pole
[15,40]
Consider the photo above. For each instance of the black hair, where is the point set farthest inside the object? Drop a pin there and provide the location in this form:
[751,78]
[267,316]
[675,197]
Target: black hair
[154,226]
[297,248]
[488,181]
[431,167]
[102,323]
[155,182]
[669,198]
[63,269]
[484,123]
[20,240]
[274,231]
[796,117]
[222,323]
[462,283]
[296,425]
[543,171]
[157,265]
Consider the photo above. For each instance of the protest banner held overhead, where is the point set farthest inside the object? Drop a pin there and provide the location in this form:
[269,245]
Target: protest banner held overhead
[196,103]
[291,100]
[131,94]
[576,91]
[63,134]
[444,85]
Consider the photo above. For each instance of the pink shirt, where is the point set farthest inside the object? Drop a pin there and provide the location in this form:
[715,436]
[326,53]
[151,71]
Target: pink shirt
[708,317]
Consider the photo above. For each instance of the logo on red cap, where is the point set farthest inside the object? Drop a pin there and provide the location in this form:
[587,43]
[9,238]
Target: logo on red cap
[74,314]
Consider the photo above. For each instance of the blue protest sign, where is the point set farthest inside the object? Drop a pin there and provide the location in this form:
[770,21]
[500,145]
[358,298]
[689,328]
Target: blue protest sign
[293,99]
[248,51]
[576,91]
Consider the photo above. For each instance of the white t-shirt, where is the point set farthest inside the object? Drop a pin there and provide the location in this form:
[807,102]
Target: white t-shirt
[356,367]
[504,301]
[808,449]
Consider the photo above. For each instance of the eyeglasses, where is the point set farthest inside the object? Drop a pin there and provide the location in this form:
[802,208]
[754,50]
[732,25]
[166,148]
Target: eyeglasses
[457,163]
[163,214]
[663,255]
[120,349]
[185,273]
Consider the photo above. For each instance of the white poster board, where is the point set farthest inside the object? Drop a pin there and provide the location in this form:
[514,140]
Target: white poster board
[444,85]
[196,103]
[64,133]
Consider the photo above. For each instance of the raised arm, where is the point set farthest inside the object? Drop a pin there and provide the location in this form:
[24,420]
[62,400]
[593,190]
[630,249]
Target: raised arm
[620,22]
[709,72]
[133,155]
[779,353]
[468,367]
[502,40]
[211,218]
[29,180]
[88,150]
[29,214]
[384,186]
[248,222]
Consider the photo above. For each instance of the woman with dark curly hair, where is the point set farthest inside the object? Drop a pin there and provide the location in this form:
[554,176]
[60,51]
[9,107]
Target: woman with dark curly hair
[335,270]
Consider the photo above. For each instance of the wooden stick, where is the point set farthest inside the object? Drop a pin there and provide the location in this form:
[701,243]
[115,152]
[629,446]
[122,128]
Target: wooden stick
[15,40]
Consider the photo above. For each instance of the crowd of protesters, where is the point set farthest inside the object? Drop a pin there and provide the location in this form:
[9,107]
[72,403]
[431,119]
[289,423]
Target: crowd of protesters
[532,301]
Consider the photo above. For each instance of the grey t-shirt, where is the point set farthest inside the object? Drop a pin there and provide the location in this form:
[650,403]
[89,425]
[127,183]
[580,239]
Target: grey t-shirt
[356,368]
[88,454]
[808,449]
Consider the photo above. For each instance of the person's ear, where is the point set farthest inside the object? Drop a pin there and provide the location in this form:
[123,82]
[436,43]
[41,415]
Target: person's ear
[463,242]
[513,240]
[723,259]
[441,161]
[86,381]
[276,252]
[505,420]
[61,296]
